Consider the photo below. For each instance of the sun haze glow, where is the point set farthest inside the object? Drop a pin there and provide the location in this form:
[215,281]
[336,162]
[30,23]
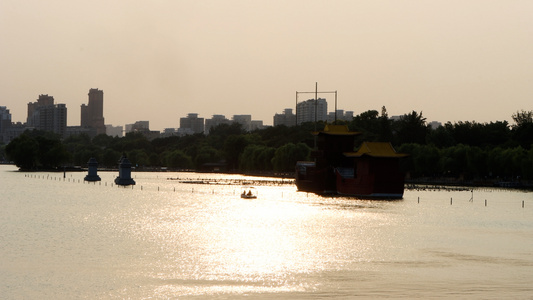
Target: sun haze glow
[159,60]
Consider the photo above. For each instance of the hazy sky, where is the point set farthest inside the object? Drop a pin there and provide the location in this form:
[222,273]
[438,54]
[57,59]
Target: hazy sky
[158,60]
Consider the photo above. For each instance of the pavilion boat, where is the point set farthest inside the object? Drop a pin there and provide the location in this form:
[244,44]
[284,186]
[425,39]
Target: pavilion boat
[370,172]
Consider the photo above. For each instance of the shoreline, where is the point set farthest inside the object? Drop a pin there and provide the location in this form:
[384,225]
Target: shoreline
[422,183]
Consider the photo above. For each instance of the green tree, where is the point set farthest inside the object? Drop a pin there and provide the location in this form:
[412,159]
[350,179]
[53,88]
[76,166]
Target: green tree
[37,149]
[454,160]
[133,140]
[177,159]
[523,135]
[52,153]
[138,158]
[23,151]
[441,137]
[286,156]
[368,124]
[218,134]
[154,160]
[411,128]
[206,154]
[523,117]
[110,158]
[257,158]
[233,147]
[103,140]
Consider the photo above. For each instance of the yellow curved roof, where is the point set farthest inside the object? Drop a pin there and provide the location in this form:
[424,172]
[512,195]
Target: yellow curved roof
[336,130]
[375,149]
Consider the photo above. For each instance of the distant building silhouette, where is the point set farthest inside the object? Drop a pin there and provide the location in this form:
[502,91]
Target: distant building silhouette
[435,124]
[256,124]
[244,120]
[143,127]
[47,116]
[168,132]
[77,130]
[5,125]
[138,126]
[341,115]
[117,131]
[215,121]
[287,118]
[192,124]
[312,110]
[92,114]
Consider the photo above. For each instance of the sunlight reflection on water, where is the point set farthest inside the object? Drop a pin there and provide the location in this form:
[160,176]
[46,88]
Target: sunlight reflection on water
[166,239]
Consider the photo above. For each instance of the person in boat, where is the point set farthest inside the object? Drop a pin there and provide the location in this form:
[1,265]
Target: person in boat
[249,192]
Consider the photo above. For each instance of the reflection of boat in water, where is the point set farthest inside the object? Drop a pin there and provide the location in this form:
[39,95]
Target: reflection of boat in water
[370,172]
[249,193]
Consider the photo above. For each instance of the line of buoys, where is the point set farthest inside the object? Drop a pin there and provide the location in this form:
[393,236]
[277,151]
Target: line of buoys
[192,190]
[451,200]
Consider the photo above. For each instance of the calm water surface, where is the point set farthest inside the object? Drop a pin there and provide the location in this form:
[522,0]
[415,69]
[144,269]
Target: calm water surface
[61,238]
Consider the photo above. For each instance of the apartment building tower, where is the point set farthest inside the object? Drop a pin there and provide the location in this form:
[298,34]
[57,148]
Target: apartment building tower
[287,118]
[312,110]
[192,123]
[47,116]
[92,114]
[215,121]
[5,124]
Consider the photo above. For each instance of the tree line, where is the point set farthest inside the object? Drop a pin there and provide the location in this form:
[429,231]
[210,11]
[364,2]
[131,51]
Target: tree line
[469,150]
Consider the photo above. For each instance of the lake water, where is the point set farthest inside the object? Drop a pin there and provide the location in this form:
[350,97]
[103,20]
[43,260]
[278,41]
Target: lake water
[61,238]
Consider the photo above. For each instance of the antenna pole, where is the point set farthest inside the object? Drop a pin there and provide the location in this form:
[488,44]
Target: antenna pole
[335,107]
[296,109]
[316,103]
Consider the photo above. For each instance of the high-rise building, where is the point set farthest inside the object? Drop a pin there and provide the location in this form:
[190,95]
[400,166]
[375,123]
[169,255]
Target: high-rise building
[5,124]
[92,114]
[192,122]
[340,115]
[287,118]
[168,132]
[215,121]
[244,120]
[312,110]
[143,127]
[47,116]
[138,126]
[53,118]
[256,124]
[114,130]
[32,107]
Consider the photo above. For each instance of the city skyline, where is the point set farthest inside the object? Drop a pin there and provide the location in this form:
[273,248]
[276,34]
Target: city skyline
[92,113]
[160,60]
